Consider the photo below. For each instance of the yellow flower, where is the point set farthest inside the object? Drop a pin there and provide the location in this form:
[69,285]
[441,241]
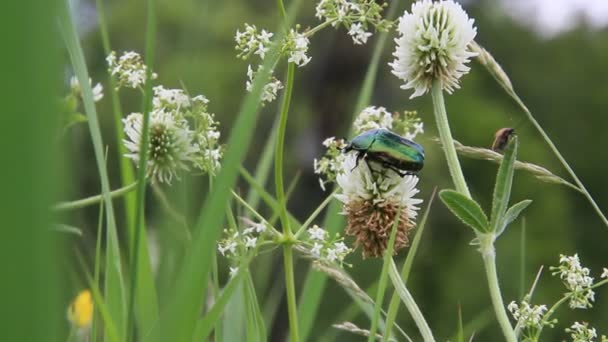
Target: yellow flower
[80,311]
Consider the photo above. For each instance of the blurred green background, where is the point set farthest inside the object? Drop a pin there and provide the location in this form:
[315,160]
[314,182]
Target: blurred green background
[562,79]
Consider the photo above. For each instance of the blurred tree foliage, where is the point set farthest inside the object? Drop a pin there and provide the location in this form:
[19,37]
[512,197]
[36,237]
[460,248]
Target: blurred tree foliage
[563,80]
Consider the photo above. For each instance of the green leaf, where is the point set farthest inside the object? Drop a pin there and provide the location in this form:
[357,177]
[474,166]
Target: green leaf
[504,181]
[512,214]
[466,209]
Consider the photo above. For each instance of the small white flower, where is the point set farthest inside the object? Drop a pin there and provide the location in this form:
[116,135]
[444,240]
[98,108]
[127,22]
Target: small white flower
[577,280]
[129,70]
[332,254]
[358,34]
[250,241]
[581,332]
[297,46]
[341,247]
[230,246]
[76,89]
[233,271]
[271,89]
[316,249]
[260,227]
[373,117]
[170,98]
[317,233]
[528,316]
[604,273]
[433,45]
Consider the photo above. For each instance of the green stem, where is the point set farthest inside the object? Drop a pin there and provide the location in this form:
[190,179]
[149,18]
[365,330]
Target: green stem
[447,141]
[143,162]
[81,203]
[410,303]
[288,235]
[291,293]
[489,262]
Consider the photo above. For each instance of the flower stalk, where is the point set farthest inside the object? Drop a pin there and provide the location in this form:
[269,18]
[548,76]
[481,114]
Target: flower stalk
[280,192]
[486,240]
[447,141]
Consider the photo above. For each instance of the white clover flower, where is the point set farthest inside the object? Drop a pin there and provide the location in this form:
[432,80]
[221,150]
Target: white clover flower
[373,117]
[233,271]
[358,34]
[296,46]
[170,148]
[528,316]
[317,233]
[581,332]
[76,89]
[433,45]
[373,200]
[577,280]
[129,69]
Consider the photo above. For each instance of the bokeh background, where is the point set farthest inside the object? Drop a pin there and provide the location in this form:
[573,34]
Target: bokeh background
[559,70]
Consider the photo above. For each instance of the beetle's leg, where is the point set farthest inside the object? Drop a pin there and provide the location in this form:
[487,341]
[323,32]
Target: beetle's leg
[359,156]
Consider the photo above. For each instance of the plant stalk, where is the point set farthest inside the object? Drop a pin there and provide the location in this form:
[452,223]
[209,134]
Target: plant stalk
[410,304]
[81,203]
[489,261]
[447,141]
[280,191]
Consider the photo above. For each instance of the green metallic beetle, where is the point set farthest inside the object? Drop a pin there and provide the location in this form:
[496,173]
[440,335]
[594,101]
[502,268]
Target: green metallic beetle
[389,149]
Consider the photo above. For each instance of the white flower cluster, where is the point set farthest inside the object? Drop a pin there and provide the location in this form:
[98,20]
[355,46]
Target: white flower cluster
[357,16]
[581,332]
[528,316]
[373,117]
[250,41]
[271,89]
[324,248]
[577,280]
[359,183]
[129,69]
[331,163]
[296,47]
[604,273]
[238,243]
[433,45]
[77,90]
[182,134]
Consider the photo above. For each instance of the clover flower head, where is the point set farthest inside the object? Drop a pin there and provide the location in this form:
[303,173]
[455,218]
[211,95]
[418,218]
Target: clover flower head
[577,280]
[581,332]
[129,69]
[373,198]
[433,44]
[77,90]
[80,311]
[171,145]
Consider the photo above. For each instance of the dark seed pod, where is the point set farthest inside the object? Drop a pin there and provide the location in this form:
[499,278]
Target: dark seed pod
[501,138]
